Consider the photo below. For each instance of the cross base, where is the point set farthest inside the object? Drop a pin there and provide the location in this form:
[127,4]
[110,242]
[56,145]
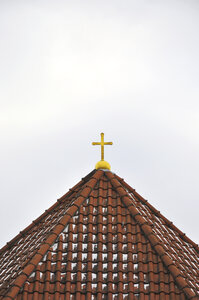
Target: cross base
[102,164]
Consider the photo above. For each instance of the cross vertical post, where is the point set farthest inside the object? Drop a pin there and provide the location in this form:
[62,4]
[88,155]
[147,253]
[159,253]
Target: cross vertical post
[102,146]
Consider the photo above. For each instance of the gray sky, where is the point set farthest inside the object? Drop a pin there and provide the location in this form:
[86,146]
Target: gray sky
[72,69]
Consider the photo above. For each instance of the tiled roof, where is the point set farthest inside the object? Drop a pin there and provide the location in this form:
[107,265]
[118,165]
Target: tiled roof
[101,240]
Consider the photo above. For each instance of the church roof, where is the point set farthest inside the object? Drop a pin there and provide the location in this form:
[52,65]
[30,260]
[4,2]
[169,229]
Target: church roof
[101,240]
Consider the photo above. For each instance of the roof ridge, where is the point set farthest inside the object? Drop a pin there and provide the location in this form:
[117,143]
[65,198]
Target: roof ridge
[70,192]
[45,246]
[156,244]
[158,213]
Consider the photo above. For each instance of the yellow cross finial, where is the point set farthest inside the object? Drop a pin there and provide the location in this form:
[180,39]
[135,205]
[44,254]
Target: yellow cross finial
[102,164]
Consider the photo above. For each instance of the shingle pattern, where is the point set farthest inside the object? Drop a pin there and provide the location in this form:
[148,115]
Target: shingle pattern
[101,240]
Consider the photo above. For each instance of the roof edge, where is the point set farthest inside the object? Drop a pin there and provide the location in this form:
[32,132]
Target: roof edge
[155,243]
[30,267]
[157,212]
[72,190]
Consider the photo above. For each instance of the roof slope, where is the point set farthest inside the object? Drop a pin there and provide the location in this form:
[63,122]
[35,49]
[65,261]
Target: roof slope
[101,240]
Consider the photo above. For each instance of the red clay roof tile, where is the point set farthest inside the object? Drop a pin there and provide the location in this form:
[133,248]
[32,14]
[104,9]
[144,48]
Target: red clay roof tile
[101,240]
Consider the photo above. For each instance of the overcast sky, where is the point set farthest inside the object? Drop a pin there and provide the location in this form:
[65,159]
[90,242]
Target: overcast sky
[72,69]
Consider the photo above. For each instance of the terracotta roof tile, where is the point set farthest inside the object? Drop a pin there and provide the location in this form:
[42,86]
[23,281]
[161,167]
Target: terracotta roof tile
[101,240]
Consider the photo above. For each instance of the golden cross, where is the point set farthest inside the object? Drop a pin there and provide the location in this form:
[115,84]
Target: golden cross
[102,143]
